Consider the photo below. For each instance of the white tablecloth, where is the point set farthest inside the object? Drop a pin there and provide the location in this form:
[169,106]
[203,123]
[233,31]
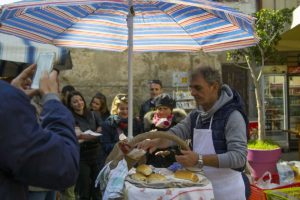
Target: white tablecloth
[188,193]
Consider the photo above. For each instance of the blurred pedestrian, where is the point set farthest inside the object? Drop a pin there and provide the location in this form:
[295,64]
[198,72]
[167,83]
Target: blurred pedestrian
[90,147]
[98,104]
[115,127]
[155,88]
[65,93]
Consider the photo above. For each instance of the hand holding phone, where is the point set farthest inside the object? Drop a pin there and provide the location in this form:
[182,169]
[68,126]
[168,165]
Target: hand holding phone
[45,62]
[49,83]
[21,81]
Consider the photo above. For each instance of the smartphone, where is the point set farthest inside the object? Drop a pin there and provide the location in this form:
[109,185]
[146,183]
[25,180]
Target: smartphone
[44,62]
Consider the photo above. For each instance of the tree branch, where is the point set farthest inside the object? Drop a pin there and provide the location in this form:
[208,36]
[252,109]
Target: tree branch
[273,37]
[260,73]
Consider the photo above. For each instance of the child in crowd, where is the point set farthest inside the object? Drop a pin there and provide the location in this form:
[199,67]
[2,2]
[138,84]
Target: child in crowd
[163,118]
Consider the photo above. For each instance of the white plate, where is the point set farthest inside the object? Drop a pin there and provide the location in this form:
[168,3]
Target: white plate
[194,169]
[170,182]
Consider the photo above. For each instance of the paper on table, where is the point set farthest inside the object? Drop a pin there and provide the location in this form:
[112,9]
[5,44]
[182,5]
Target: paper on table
[89,132]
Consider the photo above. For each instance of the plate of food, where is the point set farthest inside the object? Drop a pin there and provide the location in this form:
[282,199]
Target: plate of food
[148,176]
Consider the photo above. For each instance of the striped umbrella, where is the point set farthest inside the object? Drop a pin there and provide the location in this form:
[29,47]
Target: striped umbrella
[17,49]
[133,25]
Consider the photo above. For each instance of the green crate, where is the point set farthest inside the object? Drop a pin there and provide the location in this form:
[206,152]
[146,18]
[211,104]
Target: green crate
[292,193]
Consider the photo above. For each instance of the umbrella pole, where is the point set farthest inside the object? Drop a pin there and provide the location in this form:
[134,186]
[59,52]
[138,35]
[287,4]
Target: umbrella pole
[130,77]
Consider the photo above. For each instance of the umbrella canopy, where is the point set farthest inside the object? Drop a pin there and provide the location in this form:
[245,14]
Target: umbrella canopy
[133,25]
[163,25]
[16,49]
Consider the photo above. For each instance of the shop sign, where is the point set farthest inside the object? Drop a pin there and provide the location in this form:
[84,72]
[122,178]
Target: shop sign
[274,69]
[294,69]
[180,79]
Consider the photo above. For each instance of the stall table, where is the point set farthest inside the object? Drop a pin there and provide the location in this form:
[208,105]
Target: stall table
[202,191]
[133,192]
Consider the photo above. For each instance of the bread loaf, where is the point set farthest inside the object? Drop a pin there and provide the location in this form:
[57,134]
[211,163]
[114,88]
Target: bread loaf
[153,178]
[138,177]
[187,175]
[144,169]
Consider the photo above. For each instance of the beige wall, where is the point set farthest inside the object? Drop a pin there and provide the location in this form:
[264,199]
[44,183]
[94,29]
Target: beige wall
[107,71]
[245,6]
[280,4]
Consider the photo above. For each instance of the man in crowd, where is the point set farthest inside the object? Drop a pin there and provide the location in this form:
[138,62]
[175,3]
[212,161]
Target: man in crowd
[65,93]
[218,130]
[155,87]
[44,155]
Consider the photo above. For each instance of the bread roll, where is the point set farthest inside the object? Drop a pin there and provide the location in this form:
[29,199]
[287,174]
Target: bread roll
[138,177]
[144,169]
[187,175]
[153,178]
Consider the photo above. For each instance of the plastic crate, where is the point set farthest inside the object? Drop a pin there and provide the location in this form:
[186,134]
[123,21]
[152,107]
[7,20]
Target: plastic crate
[259,194]
[283,194]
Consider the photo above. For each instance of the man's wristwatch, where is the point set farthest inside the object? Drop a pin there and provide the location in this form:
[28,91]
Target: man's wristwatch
[200,161]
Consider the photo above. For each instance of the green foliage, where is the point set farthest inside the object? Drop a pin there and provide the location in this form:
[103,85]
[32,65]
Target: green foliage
[269,25]
[262,145]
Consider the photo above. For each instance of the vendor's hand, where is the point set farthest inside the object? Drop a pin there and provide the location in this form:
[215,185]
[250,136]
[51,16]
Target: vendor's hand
[124,146]
[49,83]
[188,158]
[148,145]
[23,81]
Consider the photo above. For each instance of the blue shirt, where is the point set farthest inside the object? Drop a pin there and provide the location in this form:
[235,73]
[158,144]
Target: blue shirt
[44,155]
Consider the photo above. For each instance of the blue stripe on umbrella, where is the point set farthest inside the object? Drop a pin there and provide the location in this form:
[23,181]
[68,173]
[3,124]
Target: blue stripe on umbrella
[22,50]
[64,22]
[30,51]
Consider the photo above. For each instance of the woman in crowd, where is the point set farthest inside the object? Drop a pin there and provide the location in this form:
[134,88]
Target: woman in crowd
[98,104]
[115,126]
[162,118]
[90,147]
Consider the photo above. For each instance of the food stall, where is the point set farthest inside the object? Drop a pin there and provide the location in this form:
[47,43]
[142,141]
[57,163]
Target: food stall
[131,179]
[162,183]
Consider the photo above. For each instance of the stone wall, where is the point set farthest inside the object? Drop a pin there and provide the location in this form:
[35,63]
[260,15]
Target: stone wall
[280,4]
[107,71]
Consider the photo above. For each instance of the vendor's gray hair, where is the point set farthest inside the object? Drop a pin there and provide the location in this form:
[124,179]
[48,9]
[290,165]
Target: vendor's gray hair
[210,75]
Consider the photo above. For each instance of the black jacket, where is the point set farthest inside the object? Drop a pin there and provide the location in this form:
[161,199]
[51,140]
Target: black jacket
[89,150]
[111,129]
[146,107]
[159,161]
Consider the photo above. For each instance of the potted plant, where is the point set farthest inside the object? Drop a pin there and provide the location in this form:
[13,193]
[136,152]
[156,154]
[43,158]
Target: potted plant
[263,156]
[269,25]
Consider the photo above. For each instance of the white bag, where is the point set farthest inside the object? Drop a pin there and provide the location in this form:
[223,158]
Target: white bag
[267,183]
[285,172]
